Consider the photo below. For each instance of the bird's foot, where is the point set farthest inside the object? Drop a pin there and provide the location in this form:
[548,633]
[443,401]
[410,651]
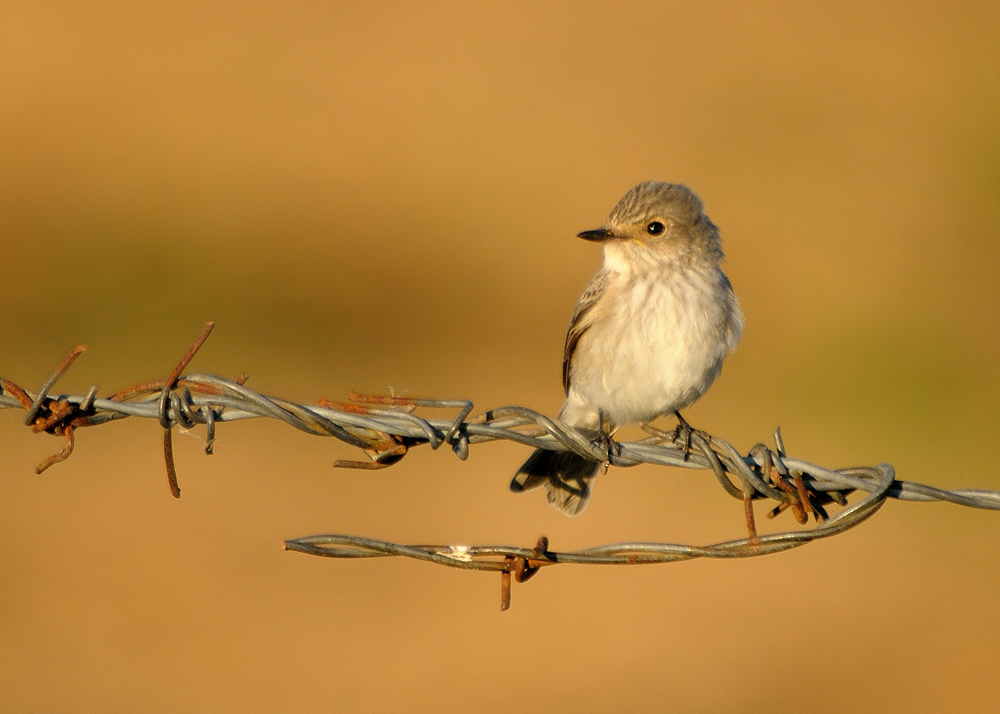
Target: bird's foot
[610,447]
[684,431]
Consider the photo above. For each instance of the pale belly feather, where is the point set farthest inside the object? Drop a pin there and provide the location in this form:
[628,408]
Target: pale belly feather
[653,349]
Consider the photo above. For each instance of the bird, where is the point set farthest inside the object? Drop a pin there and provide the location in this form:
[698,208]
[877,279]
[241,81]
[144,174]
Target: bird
[648,335]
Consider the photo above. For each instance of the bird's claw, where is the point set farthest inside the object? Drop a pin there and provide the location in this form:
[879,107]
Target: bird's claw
[683,429]
[609,446]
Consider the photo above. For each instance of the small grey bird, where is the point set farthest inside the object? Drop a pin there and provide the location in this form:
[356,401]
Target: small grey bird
[649,334]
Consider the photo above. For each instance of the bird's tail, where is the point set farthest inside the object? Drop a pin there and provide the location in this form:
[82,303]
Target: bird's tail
[565,475]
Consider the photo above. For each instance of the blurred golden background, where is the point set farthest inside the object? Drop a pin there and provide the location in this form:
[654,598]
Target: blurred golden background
[380,196]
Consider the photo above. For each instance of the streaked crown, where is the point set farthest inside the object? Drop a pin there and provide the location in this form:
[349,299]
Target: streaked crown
[653,199]
[668,218]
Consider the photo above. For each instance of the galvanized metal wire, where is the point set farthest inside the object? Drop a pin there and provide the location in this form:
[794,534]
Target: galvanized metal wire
[387,427]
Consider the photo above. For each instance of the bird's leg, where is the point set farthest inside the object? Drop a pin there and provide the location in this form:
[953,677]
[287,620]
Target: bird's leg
[604,432]
[683,428]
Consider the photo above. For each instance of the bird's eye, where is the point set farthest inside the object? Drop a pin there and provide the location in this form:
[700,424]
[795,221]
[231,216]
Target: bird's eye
[655,228]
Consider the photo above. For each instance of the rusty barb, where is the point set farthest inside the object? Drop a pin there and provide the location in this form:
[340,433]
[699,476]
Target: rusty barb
[386,428]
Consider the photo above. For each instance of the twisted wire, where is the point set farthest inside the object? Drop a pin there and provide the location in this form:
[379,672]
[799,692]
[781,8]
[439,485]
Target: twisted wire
[385,428]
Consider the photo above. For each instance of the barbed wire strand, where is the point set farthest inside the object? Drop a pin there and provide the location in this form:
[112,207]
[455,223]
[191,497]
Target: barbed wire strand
[385,428]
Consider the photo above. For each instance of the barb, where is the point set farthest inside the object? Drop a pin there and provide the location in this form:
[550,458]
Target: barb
[164,419]
[386,428]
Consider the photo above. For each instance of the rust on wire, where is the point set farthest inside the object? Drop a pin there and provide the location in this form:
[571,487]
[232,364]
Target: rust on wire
[168,458]
[172,379]
[163,412]
[58,417]
[384,449]
[386,428]
[43,391]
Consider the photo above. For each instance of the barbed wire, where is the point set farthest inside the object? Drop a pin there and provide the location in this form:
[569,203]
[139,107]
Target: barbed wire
[387,427]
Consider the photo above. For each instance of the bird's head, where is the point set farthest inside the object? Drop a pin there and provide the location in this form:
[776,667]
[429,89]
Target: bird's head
[660,221]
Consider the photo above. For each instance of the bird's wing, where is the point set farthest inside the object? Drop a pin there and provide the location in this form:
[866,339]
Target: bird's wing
[581,321]
[733,321]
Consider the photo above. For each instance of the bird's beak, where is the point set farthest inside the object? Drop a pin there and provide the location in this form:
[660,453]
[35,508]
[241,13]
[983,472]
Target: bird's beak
[601,234]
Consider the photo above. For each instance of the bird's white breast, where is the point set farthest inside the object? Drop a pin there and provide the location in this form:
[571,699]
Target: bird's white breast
[655,344]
